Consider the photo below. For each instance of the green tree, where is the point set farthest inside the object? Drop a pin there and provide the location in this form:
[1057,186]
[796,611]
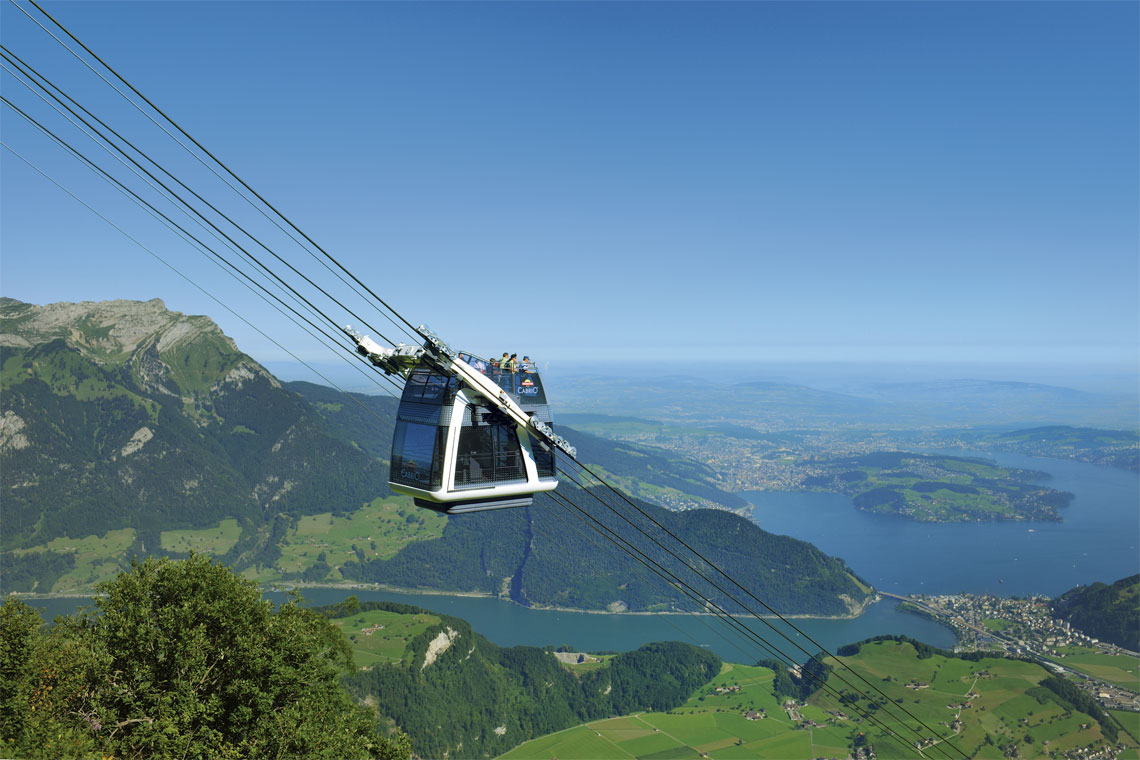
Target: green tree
[183,658]
[19,625]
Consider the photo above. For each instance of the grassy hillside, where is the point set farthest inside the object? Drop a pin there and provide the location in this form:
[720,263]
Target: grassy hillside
[986,709]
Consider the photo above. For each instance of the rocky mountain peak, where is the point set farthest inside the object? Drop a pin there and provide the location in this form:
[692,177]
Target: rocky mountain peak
[107,331]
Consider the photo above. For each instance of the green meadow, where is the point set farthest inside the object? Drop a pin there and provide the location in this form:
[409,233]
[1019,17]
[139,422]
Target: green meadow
[97,559]
[997,624]
[217,540]
[377,530]
[1129,721]
[981,707]
[382,637]
[997,702]
[711,722]
[1120,669]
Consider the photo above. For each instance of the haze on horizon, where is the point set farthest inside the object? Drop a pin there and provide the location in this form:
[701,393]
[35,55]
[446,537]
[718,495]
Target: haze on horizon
[772,185]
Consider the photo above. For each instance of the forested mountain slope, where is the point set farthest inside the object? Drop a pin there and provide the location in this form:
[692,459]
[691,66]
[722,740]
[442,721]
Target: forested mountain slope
[549,555]
[126,415]
[1109,613]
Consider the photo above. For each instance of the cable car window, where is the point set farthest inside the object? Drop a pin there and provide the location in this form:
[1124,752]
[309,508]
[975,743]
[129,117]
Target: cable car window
[489,451]
[429,388]
[417,455]
[476,362]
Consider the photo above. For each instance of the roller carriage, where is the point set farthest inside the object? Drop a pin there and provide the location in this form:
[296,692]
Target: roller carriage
[469,436]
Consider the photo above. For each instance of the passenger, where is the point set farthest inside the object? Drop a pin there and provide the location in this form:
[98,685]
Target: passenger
[512,364]
[527,364]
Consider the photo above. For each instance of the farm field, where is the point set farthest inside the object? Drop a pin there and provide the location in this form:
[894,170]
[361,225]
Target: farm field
[379,636]
[981,707]
[377,530]
[1120,669]
[710,722]
[1130,721]
[217,540]
[97,559]
[997,702]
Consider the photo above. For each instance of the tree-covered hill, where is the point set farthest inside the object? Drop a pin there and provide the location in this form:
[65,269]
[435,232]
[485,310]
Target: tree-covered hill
[652,473]
[1109,613]
[457,694]
[547,555]
[1111,448]
[364,421]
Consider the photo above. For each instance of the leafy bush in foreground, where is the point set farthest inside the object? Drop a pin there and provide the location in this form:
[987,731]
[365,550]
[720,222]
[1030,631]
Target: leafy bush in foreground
[180,659]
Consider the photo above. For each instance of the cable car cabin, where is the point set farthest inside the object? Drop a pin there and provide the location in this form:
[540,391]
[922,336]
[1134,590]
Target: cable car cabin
[455,452]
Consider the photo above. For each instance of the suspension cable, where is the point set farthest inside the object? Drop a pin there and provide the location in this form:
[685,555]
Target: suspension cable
[414,331]
[196,212]
[187,235]
[772,611]
[174,269]
[728,618]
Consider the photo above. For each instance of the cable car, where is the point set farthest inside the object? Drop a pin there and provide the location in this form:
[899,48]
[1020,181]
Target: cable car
[455,451]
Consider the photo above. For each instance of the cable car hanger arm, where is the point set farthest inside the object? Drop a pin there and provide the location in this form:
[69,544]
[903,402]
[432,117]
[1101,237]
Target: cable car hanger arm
[402,359]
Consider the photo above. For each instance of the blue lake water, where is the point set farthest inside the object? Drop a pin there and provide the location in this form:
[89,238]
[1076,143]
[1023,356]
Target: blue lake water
[1098,540]
[508,624]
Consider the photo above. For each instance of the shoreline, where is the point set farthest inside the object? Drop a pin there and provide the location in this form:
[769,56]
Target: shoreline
[877,597]
[858,612]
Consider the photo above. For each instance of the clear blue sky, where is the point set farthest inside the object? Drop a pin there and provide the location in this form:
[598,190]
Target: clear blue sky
[781,181]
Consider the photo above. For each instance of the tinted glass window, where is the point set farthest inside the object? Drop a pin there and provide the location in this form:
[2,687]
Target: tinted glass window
[417,452]
[429,387]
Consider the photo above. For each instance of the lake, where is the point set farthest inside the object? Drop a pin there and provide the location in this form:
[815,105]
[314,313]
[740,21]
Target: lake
[1097,541]
[508,624]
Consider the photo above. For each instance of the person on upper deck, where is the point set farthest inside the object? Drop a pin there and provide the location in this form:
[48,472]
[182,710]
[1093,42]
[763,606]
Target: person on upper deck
[512,364]
[527,364]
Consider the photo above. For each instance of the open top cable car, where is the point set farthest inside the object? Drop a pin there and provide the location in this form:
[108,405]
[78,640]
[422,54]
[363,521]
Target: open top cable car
[469,436]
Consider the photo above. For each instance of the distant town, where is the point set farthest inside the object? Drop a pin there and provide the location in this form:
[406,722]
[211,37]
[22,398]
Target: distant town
[883,472]
[1025,628]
